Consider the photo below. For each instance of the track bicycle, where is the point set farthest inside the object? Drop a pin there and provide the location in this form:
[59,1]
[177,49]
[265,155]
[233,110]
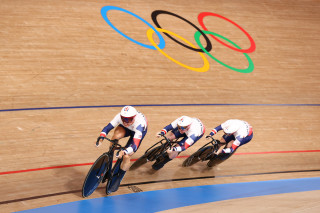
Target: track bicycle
[102,170]
[154,152]
[207,152]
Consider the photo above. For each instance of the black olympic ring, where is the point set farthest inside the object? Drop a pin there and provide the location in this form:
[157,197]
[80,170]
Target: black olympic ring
[154,15]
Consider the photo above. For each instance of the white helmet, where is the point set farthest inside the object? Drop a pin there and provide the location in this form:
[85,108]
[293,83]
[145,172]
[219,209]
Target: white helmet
[229,127]
[128,113]
[184,122]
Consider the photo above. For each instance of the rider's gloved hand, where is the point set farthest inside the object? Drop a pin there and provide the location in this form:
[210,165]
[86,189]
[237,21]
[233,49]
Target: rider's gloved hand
[159,134]
[99,140]
[208,137]
[120,154]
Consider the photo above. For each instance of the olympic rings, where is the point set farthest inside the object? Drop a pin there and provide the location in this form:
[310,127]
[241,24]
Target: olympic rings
[197,35]
[206,62]
[154,15]
[248,70]
[249,50]
[104,11]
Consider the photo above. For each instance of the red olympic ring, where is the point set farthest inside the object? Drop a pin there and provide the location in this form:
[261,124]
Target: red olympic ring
[249,50]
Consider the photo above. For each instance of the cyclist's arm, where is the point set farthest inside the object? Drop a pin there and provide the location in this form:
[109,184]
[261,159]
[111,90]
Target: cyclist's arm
[115,122]
[215,130]
[167,129]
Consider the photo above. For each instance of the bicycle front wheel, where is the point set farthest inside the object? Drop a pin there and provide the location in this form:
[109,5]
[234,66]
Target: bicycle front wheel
[95,175]
[200,155]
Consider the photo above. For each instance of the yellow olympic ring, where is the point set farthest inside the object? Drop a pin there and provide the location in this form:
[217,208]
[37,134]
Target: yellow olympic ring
[206,65]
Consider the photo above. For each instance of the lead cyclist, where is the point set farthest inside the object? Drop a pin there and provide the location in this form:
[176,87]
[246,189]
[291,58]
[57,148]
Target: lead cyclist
[128,123]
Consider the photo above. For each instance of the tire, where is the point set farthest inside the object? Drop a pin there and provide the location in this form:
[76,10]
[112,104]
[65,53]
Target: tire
[114,171]
[213,162]
[219,159]
[142,160]
[95,175]
[154,153]
[149,156]
[200,155]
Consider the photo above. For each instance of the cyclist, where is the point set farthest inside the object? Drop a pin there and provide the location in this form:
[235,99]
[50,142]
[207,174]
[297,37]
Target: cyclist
[129,123]
[236,134]
[187,128]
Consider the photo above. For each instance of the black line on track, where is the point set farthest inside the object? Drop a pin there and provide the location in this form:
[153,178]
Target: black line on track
[150,182]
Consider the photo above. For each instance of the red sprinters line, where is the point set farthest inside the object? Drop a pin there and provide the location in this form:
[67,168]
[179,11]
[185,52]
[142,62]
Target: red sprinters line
[85,164]
[275,152]
[45,168]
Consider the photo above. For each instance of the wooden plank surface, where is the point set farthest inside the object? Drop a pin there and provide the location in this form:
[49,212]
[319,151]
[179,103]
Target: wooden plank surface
[64,54]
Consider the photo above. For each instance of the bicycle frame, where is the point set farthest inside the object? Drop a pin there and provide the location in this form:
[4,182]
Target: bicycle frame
[167,142]
[110,153]
[216,143]
[164,146]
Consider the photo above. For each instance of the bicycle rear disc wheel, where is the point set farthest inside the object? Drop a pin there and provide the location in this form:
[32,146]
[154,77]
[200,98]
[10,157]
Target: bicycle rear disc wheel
[149,156]
[95,175]
[139,162]
[219,159]
[154,153]
[199,155]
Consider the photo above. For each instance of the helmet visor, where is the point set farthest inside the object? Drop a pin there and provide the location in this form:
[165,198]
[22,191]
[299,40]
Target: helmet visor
[182,127]
[127,119]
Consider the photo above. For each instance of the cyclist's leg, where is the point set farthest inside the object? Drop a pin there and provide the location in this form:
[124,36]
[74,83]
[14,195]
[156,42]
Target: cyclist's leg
[169,155]
[241,142]
[126,158]
[171,136]
[125,165]
[233,146]
[245,140]
[225,139]
[219,156]
[175,134]
[183,145]
[119,132]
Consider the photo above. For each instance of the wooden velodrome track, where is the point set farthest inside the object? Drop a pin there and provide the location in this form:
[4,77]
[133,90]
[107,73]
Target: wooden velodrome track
[56,57]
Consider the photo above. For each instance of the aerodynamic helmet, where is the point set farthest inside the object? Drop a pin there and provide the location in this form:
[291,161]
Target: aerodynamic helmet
[128,113]
[184,122]
[229,127]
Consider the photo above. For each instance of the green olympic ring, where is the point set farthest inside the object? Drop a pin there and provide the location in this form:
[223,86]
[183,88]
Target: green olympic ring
[247,70]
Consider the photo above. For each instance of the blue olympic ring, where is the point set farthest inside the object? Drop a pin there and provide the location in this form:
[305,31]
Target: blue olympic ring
[104,11]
